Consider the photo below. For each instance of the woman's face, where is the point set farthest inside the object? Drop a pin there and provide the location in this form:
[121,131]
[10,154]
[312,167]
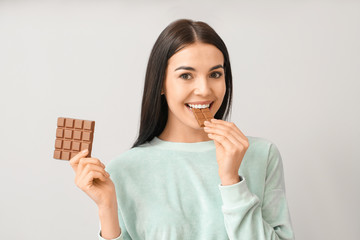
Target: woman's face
[194,77]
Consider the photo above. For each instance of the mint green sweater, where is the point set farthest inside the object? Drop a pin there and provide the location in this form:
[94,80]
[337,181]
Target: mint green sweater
[170,190]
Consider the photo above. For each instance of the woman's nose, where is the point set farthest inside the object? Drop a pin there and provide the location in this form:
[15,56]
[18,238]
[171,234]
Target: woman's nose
[202,87]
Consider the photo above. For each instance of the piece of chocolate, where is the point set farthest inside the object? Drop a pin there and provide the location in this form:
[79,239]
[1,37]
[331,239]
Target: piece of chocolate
[73,136]
[202,115]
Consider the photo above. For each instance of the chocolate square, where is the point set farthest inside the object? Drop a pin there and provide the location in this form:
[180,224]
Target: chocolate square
[202,115]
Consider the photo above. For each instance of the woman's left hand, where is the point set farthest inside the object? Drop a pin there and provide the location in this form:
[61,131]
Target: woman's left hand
[231,145]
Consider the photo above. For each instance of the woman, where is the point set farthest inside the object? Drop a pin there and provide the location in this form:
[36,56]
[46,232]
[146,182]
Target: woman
[180,180]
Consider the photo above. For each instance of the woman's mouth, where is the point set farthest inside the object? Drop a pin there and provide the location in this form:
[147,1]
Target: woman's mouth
[199,106]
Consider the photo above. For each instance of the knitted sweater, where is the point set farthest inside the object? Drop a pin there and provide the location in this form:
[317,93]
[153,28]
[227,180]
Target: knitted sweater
[170,190]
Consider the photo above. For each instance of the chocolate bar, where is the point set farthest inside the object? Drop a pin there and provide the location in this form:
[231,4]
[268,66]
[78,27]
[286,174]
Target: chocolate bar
[73,136]
[202,115]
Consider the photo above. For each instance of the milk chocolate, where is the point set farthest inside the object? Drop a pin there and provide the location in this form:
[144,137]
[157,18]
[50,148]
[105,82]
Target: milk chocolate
[202,115]
[73,136]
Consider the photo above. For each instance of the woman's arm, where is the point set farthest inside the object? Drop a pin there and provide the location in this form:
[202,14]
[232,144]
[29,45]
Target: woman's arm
[110,228]
[247,218]
[91,177]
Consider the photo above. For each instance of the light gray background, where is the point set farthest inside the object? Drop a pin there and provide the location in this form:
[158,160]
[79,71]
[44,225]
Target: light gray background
[296,82]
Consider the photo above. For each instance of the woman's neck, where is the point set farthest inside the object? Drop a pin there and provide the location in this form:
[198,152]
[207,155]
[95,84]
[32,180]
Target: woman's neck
[183,134]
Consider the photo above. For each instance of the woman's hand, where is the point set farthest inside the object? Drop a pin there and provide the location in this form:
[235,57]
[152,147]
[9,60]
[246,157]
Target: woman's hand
[231,145]
[91,177]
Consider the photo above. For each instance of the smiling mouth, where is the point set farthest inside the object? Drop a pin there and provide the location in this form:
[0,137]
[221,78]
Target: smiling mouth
[199,106]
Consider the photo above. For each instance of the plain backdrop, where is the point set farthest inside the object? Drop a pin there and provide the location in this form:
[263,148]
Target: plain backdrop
[296,73]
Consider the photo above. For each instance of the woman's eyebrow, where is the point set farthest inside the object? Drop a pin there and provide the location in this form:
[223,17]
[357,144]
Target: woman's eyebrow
[193,69]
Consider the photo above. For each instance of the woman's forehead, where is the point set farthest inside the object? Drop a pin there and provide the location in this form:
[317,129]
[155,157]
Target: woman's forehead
[197,55]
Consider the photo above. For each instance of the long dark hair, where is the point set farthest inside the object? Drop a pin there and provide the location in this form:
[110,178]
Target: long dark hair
[178,34]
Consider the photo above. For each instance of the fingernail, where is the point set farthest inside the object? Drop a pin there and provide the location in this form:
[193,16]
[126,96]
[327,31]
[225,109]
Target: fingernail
[206,122]
[206,128]
[107,174]
[84,151]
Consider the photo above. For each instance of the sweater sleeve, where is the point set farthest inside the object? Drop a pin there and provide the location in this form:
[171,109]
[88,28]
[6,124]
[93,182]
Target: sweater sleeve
[121,237]
[246,217]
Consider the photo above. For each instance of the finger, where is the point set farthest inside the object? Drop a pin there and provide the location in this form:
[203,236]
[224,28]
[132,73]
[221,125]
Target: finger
[225,130]
[241,137]
[229,124]
[88,170]
[75,160]
[89,166]
[84,161]
[95,161]
[226,143]
[90,177]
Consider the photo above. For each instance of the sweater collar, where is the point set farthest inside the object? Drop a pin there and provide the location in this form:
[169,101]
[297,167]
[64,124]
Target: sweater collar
[181,146]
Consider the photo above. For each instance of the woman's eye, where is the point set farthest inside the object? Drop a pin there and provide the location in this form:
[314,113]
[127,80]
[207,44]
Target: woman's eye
[185,76]
[216,74]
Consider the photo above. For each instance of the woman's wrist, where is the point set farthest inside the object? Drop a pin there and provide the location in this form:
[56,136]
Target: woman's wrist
[109,202]
[108,205]
[230,181]
[109,221]
[107,208]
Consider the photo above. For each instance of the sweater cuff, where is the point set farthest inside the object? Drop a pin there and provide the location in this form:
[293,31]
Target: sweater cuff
[235,194]
[121,237]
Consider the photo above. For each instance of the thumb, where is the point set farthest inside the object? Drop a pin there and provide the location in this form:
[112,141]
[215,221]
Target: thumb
[74,162]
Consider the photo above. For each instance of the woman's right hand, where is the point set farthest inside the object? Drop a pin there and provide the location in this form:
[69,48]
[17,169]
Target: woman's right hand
[91,177]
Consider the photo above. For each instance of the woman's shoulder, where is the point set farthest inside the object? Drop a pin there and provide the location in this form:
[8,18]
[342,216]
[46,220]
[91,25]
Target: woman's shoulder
[264,149]
[260,146]
[129,156]
[260,143]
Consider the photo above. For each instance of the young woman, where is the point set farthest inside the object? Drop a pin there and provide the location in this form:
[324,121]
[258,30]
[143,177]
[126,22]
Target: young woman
[180,180]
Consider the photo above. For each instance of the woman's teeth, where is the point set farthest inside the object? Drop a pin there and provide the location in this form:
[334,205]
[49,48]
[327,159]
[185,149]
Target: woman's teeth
[199,106]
